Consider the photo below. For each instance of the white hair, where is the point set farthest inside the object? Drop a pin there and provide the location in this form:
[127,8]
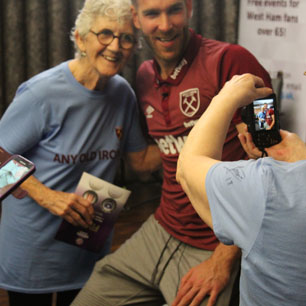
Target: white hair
[119,10]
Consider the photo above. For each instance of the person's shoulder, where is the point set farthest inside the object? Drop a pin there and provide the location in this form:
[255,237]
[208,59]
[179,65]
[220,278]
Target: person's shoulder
[119,86]
[288,177]
[41,82]
[216,45]
[212,45]
[298,165]
[48,74]
[145,76]
[277,169]
[236,51]
[119,83]
[119,80]
[146,68]
[215,50]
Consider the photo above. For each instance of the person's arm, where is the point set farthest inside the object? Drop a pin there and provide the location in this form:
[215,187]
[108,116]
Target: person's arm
[69,206]
[145,161]
[204,144]
[203,149]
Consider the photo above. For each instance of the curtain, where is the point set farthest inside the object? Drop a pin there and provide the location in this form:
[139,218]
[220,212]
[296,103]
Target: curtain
[34,36]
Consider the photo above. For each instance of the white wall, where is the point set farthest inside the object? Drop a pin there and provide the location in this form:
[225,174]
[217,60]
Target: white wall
[275,32]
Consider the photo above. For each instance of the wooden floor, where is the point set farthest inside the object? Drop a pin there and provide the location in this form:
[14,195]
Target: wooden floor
[3,298]
[142,202]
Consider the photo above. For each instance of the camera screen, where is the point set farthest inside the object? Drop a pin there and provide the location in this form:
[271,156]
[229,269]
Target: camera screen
[263,111]
[11,173]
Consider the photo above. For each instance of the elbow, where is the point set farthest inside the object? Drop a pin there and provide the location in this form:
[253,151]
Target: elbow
[183,174]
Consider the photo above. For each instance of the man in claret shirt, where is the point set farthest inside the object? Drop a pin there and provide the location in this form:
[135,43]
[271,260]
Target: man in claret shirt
[175,256]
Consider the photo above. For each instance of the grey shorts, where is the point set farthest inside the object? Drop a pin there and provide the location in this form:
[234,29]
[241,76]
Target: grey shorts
[145,270]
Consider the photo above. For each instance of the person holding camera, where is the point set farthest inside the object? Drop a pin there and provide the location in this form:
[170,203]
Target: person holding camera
[257,205]
[79,116]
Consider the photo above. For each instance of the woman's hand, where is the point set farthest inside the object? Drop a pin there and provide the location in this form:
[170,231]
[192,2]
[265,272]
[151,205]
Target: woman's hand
[69,206]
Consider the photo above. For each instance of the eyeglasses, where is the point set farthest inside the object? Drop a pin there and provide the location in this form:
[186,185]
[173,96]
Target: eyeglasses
[105,37]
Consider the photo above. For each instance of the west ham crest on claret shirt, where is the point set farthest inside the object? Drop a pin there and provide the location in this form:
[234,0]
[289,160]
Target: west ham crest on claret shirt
[190,102]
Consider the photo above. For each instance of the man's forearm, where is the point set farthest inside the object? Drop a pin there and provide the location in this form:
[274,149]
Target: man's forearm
[146,161]
[227,255]
[152,160]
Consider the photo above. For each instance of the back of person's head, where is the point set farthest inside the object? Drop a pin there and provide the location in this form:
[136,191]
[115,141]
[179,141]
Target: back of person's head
[117,10]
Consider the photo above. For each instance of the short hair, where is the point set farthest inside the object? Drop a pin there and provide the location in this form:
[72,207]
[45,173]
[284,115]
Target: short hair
[135,2]
[119,10]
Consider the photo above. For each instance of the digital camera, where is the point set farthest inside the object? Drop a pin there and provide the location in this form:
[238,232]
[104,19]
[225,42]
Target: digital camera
[262,119]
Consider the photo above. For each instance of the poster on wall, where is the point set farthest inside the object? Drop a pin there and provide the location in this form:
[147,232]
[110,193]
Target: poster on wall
[275,32]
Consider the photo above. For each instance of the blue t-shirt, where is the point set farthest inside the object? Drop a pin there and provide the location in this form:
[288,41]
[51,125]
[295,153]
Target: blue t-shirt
[260,206]
[65,129]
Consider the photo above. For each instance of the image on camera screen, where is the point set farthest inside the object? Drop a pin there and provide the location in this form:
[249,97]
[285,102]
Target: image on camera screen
[10,174]
[263,114]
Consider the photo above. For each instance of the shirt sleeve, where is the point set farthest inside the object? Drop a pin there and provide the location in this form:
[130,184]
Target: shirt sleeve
[22,125]
[235,192]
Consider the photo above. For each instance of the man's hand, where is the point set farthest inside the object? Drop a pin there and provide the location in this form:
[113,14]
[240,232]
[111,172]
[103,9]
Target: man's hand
[148,160]
[248,145]
[208,278]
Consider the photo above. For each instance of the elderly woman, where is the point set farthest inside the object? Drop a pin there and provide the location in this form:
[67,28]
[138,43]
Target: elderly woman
[78,116]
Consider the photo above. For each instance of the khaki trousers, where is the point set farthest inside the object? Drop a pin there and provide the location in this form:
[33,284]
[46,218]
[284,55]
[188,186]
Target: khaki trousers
[145,270]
